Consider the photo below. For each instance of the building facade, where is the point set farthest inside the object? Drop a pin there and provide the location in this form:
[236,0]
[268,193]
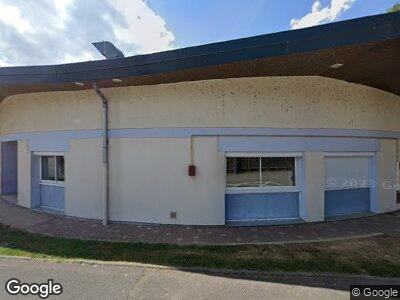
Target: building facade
[266,150]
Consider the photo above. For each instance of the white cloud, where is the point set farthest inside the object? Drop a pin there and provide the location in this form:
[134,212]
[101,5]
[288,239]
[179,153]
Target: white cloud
[11,16]
[61,8]
[320,15]
[60,31]
[4,63]
[85,56]
[143,27]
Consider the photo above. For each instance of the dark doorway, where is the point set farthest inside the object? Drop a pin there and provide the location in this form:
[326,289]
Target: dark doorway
[9,168]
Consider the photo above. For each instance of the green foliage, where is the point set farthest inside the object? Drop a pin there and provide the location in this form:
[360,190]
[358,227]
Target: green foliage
[377,256]
[395,8]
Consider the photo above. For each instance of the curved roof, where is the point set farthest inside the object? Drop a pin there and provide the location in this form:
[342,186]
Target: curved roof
[368,48]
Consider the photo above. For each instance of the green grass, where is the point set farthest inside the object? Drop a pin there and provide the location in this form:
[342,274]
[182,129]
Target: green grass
[378,256]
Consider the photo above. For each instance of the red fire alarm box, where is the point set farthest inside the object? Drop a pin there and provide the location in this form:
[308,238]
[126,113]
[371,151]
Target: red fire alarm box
[192,170]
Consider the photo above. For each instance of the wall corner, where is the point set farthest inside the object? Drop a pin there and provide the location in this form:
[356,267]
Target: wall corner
[24,174]
[312,197]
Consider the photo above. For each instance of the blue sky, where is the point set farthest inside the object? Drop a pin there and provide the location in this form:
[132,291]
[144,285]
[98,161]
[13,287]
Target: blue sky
[203,21]
[61,31]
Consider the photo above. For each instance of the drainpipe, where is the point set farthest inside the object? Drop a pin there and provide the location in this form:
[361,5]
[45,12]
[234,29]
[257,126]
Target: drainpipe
[105,152]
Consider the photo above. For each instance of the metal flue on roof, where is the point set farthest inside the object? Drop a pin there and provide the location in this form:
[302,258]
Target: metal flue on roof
[108,50]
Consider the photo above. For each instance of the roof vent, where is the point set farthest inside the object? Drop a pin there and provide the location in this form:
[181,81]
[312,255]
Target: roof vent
[108,50]
[336,66]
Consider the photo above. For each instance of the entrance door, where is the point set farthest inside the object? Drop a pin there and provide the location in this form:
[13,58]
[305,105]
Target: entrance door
[51,182]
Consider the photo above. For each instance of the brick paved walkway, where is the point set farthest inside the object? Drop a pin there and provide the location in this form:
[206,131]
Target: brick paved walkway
[36,222]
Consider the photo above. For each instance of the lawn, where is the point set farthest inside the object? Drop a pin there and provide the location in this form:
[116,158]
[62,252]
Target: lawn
[379,256]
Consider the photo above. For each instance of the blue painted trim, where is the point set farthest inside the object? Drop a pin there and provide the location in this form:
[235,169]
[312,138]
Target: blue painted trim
[237,131]
[59,140]
[283,221]
[52,197]
[347,202]
[293,144]
[263,206]
[51,140]
[35,191]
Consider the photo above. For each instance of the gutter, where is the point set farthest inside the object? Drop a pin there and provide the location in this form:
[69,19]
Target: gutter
[104,151]
[327,36]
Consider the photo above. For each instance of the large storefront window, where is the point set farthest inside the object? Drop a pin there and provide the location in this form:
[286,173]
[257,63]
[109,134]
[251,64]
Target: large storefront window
[261,172]
[261,187]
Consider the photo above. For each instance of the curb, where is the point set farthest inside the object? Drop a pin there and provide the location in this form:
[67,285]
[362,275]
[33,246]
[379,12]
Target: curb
[239,272]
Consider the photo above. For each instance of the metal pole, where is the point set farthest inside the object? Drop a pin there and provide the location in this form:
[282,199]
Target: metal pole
[104,151]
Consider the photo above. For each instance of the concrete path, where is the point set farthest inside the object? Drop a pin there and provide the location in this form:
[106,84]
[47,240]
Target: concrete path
[38,222]
[105,281]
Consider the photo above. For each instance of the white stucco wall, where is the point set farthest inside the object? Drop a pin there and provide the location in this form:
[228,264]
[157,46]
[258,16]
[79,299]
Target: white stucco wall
[148,180]
[311,205]
[83,179]
[148,176]
[384,171]
[50,111]
[288,102]
[24,174]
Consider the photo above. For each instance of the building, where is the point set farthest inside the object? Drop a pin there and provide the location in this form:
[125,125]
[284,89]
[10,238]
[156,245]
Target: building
[296,126]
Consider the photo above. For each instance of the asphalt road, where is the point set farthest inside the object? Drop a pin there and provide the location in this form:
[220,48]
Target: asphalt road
[99,281]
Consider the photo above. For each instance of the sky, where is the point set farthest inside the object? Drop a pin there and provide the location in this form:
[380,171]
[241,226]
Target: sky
[41,32]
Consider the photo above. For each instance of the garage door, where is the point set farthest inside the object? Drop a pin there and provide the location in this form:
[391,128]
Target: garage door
[347,184]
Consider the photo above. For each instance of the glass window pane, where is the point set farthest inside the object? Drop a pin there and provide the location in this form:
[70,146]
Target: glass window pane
[60,168]
[48,168]
[278,171]
[243,172]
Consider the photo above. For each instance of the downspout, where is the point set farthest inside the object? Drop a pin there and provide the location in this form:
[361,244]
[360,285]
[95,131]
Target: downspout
[104,151]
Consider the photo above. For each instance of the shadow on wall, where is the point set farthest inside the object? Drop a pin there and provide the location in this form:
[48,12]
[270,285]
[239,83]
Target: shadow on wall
[9,168]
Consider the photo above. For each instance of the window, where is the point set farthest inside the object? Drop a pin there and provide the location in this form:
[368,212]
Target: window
[52,168]
[60,168]
[278,171]
[243,172]
[261,172]
[48,168]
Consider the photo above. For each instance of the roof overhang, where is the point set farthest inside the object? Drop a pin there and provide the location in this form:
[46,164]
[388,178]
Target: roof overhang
[368,48]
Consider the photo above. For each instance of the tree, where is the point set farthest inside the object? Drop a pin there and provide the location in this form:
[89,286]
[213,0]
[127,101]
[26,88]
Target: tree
[395,8]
